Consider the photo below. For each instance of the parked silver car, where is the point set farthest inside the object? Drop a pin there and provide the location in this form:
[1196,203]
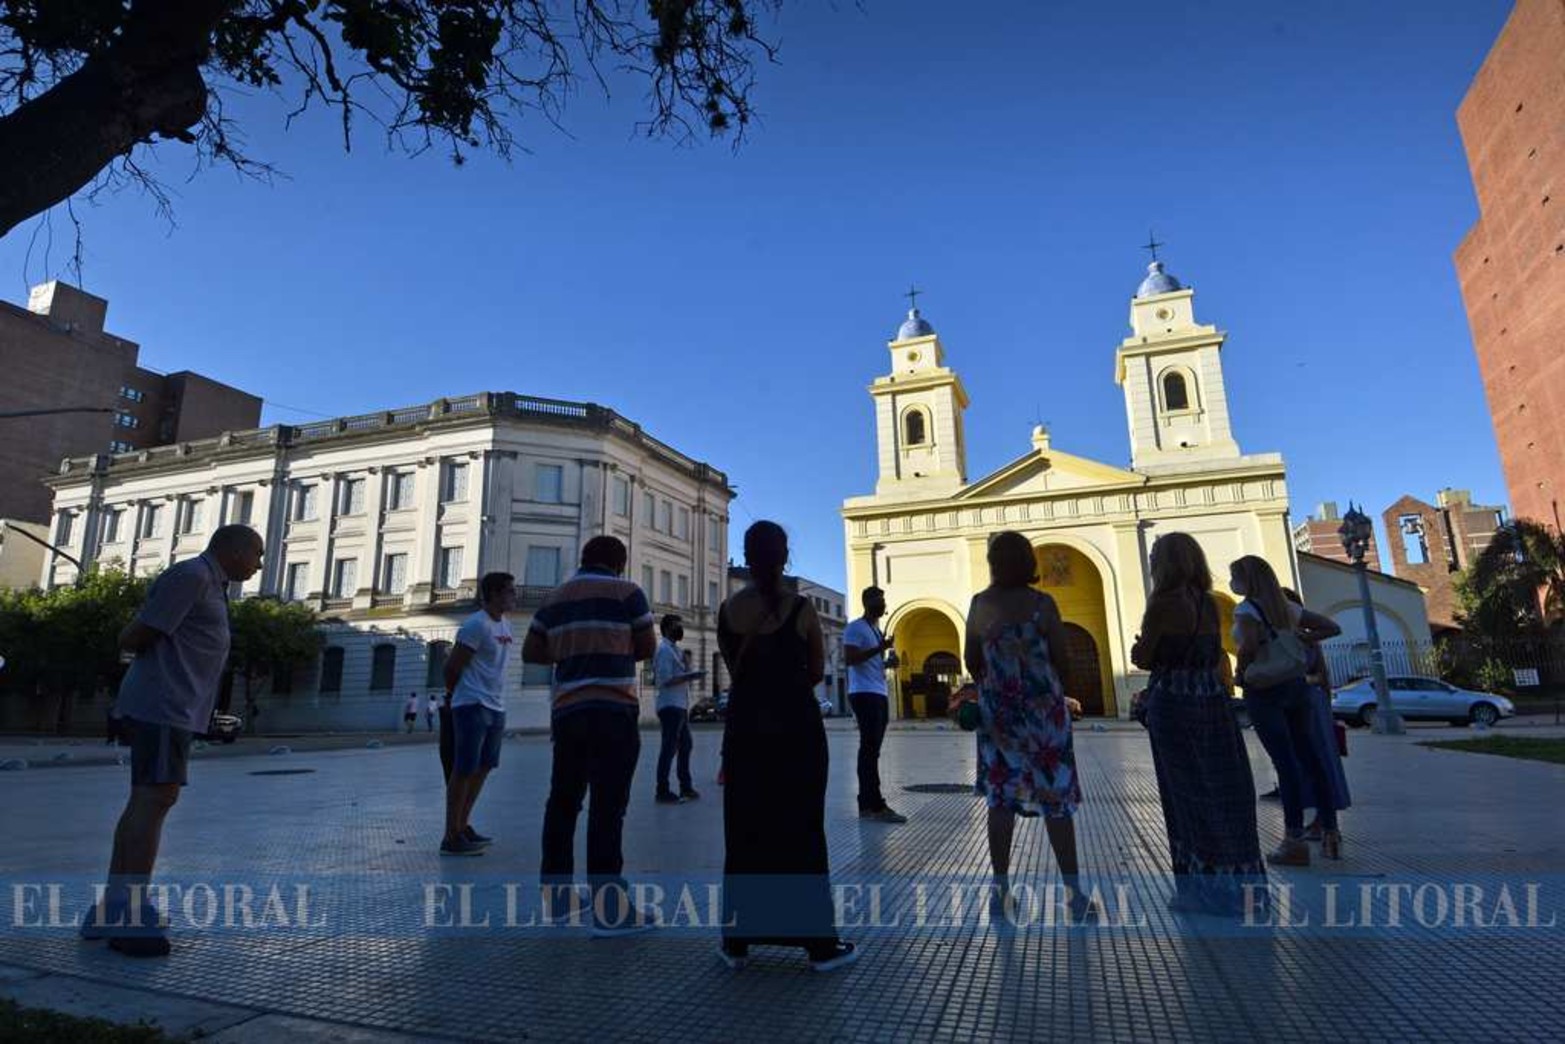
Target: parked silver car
[1421,699]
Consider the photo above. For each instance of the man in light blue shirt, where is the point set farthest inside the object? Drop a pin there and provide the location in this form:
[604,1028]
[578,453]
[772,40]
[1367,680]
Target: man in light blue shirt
[180,641]
[673,677]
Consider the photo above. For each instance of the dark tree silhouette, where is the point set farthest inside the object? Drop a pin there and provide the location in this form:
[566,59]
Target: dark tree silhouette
[1517,585]
[85,84]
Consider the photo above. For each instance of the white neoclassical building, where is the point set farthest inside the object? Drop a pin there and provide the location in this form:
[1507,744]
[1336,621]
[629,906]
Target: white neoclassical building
[923,534]
[384,522]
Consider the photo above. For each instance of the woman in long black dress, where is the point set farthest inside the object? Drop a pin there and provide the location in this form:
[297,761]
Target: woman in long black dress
[776,877]
[1198,752]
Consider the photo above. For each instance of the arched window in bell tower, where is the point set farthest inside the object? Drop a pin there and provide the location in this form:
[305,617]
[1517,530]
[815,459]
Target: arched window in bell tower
[1176,392]
[915,429]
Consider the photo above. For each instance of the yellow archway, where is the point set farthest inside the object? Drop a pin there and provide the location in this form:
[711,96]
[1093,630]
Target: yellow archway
[928,647]
[1076,585]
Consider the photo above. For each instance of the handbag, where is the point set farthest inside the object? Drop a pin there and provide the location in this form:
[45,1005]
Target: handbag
[1281,658]
[968,716]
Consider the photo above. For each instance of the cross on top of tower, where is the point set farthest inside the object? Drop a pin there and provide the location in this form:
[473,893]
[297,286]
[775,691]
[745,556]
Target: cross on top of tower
[912,296]
[1152,244]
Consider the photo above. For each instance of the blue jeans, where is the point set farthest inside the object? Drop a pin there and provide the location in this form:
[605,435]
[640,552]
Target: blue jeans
[676,737]
[1285,723]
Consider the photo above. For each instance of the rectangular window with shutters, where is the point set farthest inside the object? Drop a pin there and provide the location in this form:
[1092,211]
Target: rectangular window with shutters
[549,484]
[712,601]
[152,521]
[450,567]
[665,517]
[399,490]
[304,503]
[682,523]
[352,497]
[621,495]
[543,567]
[62,532]
[395,578]
[649,511]
[345,578]
[298,585]
[244,507]
[454,489]
[111,526]
[714,536]
[665,587]
[683,592]
[646,581]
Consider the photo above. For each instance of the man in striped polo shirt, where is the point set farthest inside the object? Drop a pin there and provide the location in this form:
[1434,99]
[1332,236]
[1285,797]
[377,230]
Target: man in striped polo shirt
[593,628]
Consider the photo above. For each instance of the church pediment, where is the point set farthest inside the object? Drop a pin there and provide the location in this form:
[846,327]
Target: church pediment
[1044,472]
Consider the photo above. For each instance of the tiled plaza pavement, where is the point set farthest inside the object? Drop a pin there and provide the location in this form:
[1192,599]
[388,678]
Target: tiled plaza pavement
[360,830]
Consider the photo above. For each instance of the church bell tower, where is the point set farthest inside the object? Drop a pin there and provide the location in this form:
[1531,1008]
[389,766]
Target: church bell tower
[1173,378]
[918,416]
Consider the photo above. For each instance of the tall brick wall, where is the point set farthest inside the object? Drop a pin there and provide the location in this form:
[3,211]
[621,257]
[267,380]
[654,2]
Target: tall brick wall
[1511,265]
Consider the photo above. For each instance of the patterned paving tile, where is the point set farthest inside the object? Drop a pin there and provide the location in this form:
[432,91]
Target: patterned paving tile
[359,832]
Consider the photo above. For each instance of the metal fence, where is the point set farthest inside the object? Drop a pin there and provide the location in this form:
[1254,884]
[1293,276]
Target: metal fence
[1520,665]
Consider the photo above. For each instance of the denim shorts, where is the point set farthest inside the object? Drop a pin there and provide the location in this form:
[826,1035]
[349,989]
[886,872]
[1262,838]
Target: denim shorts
[478,732]
[159,754]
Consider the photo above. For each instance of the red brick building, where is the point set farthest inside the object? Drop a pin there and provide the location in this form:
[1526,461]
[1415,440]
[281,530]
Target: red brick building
[1512,262]
[55,353]
[1432,543]
[1318,535]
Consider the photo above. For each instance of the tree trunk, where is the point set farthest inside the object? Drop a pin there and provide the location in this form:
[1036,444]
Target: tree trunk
[147,83]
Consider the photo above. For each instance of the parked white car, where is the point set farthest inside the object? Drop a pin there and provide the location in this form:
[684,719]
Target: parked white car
[1421,699]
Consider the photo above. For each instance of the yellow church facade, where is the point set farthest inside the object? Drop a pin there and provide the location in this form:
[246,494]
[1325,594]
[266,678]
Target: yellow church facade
[922,536]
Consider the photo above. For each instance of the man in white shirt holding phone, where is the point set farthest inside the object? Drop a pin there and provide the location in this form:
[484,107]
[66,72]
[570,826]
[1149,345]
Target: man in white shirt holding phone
[673,677]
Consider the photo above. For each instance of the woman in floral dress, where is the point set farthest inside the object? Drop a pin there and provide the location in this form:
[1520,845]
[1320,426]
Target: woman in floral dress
[1026,764]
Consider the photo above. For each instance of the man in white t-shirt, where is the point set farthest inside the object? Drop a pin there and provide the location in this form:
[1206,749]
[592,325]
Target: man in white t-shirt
[672,674]
[475,689]
[410,712]
[864,647]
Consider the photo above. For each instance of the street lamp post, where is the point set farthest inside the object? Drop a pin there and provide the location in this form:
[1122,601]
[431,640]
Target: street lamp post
[1357,531]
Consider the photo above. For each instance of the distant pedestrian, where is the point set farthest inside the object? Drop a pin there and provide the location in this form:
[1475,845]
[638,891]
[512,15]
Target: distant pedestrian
[410,712]
[1279,702]
[776,874]
[475,687]
[1318,677]
[431,709]
[864,648]
[1016,651]
[180,640]
[593,629]
[671,671]
[1198,753]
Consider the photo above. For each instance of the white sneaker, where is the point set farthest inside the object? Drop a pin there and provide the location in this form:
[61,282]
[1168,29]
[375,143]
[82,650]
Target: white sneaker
[845,954]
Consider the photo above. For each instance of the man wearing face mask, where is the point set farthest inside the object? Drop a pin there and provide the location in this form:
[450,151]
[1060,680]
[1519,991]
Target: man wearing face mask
[673,706]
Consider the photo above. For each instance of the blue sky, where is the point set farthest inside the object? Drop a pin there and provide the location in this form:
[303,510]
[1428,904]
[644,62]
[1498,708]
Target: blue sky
[1305,172]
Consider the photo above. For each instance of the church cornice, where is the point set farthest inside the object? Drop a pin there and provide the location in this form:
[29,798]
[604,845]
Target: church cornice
[941,378]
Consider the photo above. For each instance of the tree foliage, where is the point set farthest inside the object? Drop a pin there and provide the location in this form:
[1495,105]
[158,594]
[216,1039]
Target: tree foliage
[65,642]
[268,636]
[85,83]
[1517,585]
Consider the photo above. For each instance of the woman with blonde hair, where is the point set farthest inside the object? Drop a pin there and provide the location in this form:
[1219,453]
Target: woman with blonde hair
[1271,633]
[1015,651]
[1198,754]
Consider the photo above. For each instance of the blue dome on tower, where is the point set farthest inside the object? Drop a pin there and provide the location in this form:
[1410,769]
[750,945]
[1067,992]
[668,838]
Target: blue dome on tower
[913,326]
[1157,282]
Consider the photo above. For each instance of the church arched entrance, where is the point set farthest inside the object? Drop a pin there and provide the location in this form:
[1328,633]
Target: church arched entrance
[1077,588]
[929,665]
[1083,674]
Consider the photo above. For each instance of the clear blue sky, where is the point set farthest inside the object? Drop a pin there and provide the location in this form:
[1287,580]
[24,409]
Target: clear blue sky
[1304,169]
